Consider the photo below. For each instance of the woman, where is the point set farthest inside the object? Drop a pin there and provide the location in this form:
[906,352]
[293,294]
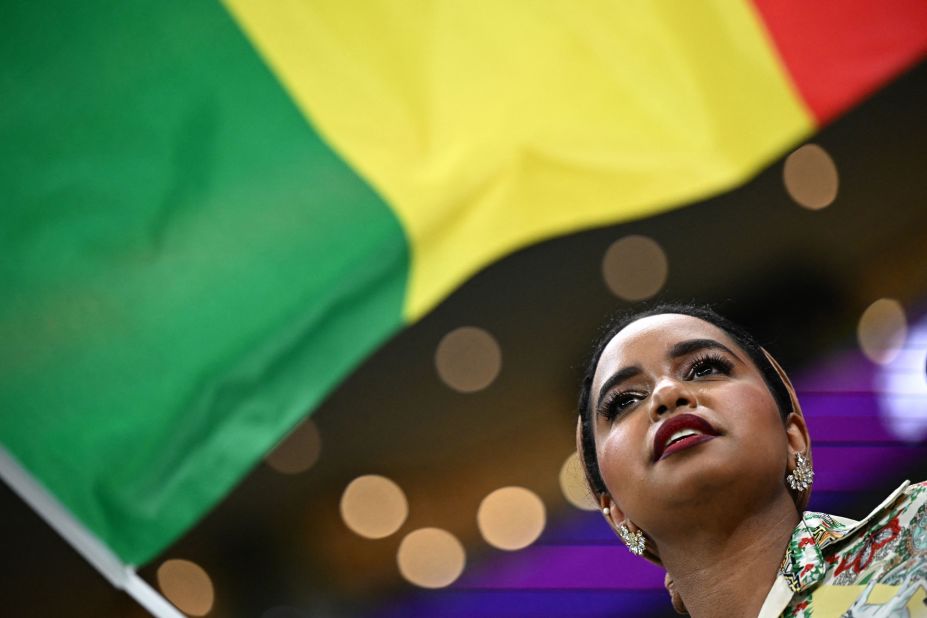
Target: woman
[695,446]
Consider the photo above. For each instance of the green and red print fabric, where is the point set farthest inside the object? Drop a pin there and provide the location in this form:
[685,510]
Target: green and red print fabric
[875,567]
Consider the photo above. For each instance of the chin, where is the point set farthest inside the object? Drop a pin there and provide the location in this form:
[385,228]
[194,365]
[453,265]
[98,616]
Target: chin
[693,481]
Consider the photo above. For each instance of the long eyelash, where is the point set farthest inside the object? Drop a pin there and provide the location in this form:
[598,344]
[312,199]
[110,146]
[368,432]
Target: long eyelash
[608,406]
[714,360]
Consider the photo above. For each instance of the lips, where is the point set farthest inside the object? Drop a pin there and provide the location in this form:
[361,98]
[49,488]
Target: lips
[685,430]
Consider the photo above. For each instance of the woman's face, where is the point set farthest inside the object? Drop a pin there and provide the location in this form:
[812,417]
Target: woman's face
[684,424]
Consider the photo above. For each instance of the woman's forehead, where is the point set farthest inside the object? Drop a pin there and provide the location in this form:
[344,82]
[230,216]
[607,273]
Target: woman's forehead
[653,337]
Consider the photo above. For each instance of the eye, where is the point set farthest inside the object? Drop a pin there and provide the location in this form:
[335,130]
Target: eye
[616,403]
[709,365]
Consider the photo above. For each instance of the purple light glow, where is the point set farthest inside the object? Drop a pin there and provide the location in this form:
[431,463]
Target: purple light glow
[902,388]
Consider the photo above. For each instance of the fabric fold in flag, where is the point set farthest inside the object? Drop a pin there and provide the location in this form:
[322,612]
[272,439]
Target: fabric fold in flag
[489,129]
[188,267]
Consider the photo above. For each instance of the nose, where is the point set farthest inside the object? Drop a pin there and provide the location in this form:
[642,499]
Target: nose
[670,394]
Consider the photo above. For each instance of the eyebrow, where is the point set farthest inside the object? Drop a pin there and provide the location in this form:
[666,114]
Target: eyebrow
[680,349]
[694,345]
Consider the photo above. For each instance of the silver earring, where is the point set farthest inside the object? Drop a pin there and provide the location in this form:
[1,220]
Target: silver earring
[634,540]
[802,476]
[605,511]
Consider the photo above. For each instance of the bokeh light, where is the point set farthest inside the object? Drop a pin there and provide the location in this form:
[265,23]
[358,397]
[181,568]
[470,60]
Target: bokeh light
[511,518]
[882,330]
[811,177]
[635,267]
[901,385]
[374,506]
[298,451]
[574,486]
[468,359]
[431,558]
[186,585]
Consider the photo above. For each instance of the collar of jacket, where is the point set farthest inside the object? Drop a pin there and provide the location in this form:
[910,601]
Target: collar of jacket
[803,565]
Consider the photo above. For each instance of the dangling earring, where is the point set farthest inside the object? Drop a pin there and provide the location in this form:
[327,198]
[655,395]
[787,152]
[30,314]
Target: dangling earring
[634,540]
[802,476]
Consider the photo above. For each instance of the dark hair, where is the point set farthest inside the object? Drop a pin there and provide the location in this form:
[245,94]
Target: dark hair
[740,336]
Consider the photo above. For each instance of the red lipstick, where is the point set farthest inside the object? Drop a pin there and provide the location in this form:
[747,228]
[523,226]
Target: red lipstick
[701,430]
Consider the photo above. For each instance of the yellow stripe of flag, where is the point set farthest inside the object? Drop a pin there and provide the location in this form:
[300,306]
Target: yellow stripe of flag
[488,126]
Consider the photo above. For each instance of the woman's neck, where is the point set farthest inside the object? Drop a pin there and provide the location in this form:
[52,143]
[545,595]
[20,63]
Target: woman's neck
[727,567]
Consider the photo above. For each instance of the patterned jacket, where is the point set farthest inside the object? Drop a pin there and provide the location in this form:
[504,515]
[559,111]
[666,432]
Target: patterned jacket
[876,567]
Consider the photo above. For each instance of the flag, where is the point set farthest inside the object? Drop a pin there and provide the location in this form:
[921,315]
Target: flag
[214,212]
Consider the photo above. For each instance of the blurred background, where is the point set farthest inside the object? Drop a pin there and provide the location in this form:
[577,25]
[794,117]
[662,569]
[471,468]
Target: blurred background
[439,478]
[823,256]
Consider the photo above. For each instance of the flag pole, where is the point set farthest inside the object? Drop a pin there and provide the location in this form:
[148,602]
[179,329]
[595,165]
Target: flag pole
[120,575]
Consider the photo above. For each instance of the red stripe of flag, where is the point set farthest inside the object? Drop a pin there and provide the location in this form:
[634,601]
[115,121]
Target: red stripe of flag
[840,51]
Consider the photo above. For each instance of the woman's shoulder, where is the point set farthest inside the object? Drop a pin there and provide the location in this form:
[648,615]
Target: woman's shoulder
[847,560]
[887,543]
[907,499]
[917,491]
[901,505]
[904,506]
[907,509]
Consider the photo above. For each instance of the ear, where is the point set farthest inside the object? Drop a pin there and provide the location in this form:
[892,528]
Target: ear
[796,432]
[615,516]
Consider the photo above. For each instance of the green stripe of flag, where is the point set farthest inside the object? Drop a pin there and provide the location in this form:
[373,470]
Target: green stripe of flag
[187,268]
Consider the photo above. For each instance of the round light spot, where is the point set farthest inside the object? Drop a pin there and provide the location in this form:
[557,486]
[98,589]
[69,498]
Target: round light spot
[186,585]
[902,388]
[634,267]
[468,359]
[882,330]
[374,506]
[511,518]
[431,558]
[298,451]
[574,486]
[811,177]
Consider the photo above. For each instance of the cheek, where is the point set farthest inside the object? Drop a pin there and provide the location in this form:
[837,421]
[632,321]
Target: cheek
[760,408]
[620,461]
[754,419]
